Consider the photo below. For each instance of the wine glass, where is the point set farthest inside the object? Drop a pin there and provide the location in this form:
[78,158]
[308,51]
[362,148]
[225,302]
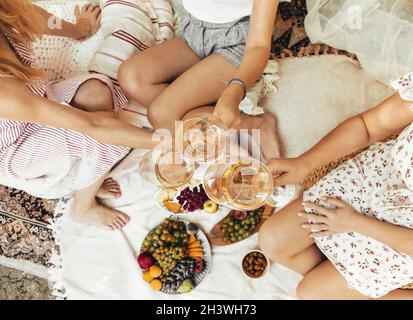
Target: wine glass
[202,138]
[242,184]
[165,167]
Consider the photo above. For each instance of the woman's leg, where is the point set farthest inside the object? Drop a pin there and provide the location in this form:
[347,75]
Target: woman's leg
[86,209]
[283,239]
[144,76]
[325,282]
[201,85]
[266,124]
[93,95]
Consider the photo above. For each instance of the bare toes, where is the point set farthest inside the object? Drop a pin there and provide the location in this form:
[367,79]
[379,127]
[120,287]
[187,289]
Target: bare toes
[110,188]
[114,187]
[117,225]
[121,222]
[124,217]
[109,180]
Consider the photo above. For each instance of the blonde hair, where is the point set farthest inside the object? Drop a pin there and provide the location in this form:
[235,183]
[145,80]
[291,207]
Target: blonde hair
[22,23]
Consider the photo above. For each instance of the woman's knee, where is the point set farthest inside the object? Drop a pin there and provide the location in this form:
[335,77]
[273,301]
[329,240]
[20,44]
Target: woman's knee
[272,240]
[163,113]
[94,95]
[306,290]
[133,78]
[157,114]
[325,282]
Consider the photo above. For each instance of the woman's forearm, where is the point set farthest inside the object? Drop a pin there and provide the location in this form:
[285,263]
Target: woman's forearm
[376,124]
[58,27]
[107,128]
[349,136]
[396,237]
[18,103]
[253,64]
[258,46]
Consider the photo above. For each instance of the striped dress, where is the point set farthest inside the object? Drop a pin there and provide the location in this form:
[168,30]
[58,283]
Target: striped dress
[51,162]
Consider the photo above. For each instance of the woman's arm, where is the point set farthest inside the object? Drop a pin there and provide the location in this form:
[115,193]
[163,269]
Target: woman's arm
[256,55]
[389,117]
[18,103]
[258,48]
[87,23]
[344,218]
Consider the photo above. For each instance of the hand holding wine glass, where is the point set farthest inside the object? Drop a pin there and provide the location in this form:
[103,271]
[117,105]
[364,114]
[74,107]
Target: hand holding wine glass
[289,171]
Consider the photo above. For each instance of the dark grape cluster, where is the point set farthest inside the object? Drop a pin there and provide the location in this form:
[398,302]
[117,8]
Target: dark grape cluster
[194,199]
[185,269]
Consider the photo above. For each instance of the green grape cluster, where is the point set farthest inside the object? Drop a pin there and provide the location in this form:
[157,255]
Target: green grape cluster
[167,243]
[234,229]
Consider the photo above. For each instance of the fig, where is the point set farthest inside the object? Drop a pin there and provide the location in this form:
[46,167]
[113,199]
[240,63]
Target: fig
[191,229]
[240,215]
[145,261]
[199,266]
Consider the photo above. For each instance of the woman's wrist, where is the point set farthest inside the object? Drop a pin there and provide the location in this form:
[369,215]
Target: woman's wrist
[234,91]
[361,224]
[307,163]
[82,29]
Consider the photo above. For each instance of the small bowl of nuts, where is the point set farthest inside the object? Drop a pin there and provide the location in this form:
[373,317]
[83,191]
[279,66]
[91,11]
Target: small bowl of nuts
[255,264]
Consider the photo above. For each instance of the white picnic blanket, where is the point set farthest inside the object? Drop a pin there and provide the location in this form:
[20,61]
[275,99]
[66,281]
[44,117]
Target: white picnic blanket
[100,264]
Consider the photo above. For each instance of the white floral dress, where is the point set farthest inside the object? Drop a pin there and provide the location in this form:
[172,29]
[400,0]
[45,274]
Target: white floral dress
[378,183]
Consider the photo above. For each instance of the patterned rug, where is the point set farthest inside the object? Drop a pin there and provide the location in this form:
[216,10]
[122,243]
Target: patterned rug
[24,220]
[290,38]
[24,226]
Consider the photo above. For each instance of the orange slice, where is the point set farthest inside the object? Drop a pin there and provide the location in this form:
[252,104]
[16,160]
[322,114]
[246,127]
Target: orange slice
[172,206]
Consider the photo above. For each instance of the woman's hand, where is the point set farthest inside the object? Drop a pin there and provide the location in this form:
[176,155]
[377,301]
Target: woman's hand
[228,113]
[289,171]
[323,222]
[227,107]
[87,21]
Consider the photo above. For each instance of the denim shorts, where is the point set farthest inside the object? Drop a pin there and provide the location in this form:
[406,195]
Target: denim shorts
[225,39]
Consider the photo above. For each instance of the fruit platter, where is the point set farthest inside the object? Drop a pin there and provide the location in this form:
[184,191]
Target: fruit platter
[175,257]
[190,198]
[239,225]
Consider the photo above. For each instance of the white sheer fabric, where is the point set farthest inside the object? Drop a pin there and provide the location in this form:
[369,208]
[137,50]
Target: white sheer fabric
[380,32]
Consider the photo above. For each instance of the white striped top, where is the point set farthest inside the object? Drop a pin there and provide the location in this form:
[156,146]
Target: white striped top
[53,162]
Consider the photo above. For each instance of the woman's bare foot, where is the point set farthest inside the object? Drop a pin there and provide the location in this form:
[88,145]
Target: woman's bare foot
[109,189]
[100,215]
[270,142]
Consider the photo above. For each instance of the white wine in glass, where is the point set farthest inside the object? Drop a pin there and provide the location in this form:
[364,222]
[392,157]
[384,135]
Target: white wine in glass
[165,168]
[202,138]
[245,184]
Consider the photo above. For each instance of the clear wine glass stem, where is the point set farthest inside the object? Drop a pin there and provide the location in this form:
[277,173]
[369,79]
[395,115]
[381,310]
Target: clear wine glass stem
[283,195]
